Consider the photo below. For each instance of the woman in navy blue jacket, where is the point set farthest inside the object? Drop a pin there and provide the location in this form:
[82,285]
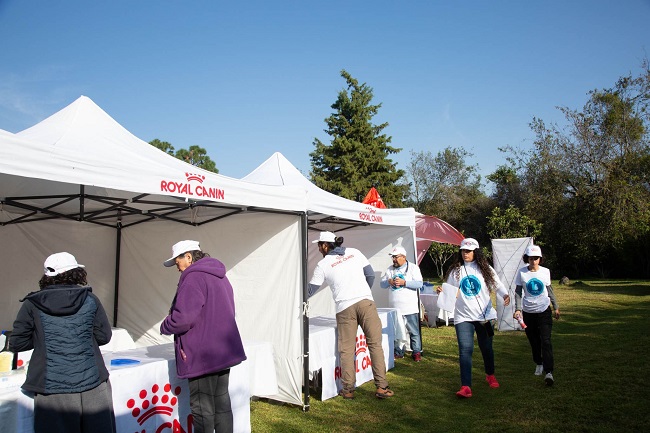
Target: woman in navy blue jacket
[65,324]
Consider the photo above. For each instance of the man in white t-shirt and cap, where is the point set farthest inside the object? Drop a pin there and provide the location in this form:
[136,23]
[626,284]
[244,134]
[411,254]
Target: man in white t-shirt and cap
[350,276]
[404,280]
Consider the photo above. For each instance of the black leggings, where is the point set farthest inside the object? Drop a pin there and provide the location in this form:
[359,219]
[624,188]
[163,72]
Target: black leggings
[538,331]
[210,403]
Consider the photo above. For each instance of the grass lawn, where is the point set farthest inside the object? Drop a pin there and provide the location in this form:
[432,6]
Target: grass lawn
[602,367]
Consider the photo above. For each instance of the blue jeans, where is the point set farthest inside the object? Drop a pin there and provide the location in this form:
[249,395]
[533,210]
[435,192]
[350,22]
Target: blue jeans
[412,323]
[465,336]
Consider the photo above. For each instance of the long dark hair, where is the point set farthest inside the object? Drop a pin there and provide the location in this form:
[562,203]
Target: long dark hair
[76,276]
[483,266]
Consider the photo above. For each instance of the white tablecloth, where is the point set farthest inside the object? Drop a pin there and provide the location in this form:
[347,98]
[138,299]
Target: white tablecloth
[148,396]
[323,352]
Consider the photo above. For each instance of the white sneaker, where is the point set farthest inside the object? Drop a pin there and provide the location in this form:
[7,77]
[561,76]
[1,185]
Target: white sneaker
[549,379]
[539,370]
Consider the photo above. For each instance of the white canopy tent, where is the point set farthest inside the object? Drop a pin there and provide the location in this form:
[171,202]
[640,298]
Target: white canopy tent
[374,231]
[80,182]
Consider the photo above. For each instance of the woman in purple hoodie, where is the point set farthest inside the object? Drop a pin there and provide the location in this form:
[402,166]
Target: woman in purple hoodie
[206,338]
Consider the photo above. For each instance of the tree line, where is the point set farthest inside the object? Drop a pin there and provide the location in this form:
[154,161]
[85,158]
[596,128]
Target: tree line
[582,190]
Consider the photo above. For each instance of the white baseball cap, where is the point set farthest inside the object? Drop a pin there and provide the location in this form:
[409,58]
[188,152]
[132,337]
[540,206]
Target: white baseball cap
[181,248]
[59,263]
[470,244]
[398,251]
[325,237]
[533,251]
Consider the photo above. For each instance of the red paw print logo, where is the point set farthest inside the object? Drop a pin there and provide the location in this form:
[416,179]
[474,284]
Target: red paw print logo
[160,401]
[196,177]
[362,345]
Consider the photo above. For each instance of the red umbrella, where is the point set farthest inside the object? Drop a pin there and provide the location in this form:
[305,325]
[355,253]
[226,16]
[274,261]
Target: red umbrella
[430,229]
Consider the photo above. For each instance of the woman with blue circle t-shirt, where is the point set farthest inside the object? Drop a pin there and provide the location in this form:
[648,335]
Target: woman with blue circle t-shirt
[534,295]
[473,311]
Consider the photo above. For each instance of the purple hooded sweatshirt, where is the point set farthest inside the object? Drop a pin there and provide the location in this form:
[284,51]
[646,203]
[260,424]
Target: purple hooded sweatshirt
[202,320]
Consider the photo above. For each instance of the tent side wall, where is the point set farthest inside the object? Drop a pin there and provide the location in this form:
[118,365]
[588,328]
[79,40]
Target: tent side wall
[27,245]
[262,254]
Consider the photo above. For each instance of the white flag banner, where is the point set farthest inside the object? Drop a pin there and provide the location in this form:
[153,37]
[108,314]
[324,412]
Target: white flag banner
[506,255]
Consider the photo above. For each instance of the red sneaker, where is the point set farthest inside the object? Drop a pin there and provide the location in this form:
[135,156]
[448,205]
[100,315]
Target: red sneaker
[492,381]
[465,391]
[417,357]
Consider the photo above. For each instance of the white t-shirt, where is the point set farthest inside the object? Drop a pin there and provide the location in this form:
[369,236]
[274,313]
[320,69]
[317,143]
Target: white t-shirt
[473,302]
[534,296]
[401,297]
[344,274]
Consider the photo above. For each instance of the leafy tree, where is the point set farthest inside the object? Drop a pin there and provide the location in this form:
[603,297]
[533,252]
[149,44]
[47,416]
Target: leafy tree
[198,157]
[445,185]
[163,145]
[508,189]
[358,156]
[511,223]
[440,254]
[589,181]
[195,155]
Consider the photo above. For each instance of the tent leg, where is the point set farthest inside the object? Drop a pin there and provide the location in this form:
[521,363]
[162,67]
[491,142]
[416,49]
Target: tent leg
[116,292]
[305,316]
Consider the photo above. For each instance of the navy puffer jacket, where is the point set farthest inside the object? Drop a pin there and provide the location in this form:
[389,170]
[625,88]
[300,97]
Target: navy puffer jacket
[65,325]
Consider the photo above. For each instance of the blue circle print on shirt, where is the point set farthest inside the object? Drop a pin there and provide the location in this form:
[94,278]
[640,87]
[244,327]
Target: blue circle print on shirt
[470,285]
[398,276]
[535,287]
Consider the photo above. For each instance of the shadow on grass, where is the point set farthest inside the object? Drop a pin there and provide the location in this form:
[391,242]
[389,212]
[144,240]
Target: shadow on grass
[621,287]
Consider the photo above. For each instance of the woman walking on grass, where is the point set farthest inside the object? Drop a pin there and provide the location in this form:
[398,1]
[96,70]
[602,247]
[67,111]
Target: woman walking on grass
[534,296]
[473,311]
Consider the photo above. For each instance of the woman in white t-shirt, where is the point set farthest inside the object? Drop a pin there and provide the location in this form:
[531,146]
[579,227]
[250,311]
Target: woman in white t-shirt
[473,311]
[534,296]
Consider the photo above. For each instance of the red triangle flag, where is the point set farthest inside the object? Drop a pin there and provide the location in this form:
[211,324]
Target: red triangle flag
[373,199]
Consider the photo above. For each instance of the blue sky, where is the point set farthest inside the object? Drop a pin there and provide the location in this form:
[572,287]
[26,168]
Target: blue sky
[245,79]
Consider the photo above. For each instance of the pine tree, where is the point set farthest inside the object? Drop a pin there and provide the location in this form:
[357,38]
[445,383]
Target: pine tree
[358,156]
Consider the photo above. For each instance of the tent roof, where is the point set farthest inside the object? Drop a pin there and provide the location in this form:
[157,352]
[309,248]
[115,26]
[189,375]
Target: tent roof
[325,207]
[85,154]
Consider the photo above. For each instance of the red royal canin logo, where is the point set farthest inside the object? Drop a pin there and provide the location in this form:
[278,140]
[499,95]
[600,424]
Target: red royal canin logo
[192,186]
[160,401]
[371,215]
[197,177]
[362,357]
[361,346]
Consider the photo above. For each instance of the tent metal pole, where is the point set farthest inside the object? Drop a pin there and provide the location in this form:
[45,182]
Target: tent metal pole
[305,316]
[118,243]
[82,201]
